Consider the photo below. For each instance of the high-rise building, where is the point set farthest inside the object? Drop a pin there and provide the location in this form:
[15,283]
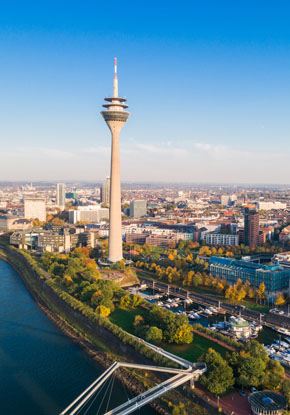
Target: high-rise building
[35,209]
[225,200]
[251,222]
[60,195]
[115,117]
[105,192]
[138,208]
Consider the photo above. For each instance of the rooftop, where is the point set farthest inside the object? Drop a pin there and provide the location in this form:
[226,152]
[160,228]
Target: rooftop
[267,401]
[251,266]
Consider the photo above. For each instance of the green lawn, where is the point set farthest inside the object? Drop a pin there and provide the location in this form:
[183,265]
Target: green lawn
[194,350]
[124,318]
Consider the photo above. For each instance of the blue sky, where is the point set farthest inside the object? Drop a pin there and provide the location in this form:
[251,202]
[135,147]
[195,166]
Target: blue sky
[207,84]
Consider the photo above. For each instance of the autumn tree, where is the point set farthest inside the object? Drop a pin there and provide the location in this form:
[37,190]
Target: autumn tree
[138,321]
[280,300]
[103,311]
[219,375]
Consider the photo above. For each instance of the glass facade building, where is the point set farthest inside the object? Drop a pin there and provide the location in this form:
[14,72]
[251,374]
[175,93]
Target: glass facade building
[275,278]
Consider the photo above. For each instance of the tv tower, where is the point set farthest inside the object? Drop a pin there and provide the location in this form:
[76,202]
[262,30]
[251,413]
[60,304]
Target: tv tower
[115,117]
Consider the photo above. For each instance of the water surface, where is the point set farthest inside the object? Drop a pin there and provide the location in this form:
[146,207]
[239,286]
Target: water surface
[41,370]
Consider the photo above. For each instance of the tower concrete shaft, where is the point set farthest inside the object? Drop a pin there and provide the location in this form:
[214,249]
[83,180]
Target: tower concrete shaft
[115,117]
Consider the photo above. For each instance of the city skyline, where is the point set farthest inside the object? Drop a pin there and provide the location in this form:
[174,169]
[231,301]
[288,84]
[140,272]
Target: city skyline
[216,75]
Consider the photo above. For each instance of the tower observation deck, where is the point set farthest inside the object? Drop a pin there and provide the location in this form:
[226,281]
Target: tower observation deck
[115,117]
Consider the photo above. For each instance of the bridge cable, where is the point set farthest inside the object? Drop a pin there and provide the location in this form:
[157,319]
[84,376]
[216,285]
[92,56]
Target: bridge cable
[100,406]
[125,389]
[93,400]
[110,393]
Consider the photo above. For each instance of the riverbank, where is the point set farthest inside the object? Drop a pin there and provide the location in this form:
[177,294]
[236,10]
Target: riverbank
[93,345]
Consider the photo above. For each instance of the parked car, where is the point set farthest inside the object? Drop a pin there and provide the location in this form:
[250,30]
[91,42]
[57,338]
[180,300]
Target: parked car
[274,310]
[253,389]
[242,393]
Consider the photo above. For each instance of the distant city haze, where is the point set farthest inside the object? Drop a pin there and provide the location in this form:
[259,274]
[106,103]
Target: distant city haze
[208,85]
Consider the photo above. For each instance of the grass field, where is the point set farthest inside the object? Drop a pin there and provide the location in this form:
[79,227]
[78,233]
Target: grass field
[194,350]
[124,318]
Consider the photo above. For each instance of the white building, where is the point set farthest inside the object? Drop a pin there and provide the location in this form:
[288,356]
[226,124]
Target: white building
[93,213]
[225,200]
[271,205]
[239,327]
[221,239]
[35,209]
[60,195]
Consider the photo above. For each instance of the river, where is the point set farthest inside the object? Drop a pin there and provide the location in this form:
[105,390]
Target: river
[41,370]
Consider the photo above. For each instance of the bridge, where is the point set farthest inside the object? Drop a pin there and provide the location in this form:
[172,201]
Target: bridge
[190,372]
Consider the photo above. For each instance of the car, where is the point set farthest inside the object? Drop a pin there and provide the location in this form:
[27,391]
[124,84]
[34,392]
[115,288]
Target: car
[242,393]
[253,389]
[281,312]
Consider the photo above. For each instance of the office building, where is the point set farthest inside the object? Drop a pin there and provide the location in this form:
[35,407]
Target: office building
[115,117]
[275,205]
[60,195]
[161,241]
[136,238]
[214,238]
[105,192]
[94,213]
[275,278]
[225,200]
[12,222]
[61,239]
[251,227]
[35,209]
[138,208]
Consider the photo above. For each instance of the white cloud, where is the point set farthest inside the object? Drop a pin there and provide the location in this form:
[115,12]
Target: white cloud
[165,149]
[101,150]
[47,152]
[220,152]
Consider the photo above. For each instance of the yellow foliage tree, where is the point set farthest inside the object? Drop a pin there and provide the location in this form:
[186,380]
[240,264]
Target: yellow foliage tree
[280,300]
[103,311]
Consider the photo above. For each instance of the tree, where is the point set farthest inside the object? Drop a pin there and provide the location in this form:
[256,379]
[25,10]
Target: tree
[256,349]
[125,301]
[138,321]
[103,311]
[251,364]
[183,334]
[280,300]
[261,291]
[197,279]
[154,334]
[219,376]
[286,390]
[274,375]
[136,300]
[251,371]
